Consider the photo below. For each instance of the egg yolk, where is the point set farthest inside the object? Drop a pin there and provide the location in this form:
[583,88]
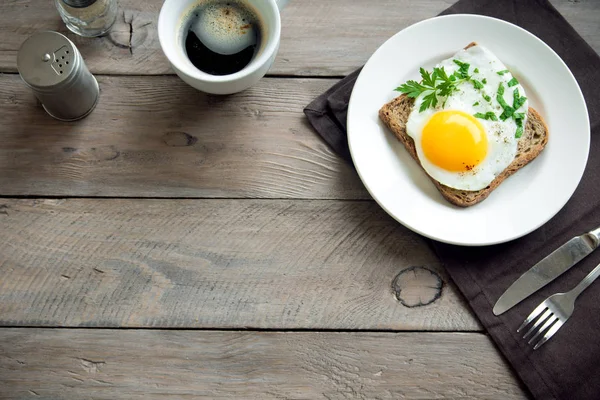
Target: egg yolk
[454,141]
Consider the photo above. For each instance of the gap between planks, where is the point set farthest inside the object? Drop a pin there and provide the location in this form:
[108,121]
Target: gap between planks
[241,329]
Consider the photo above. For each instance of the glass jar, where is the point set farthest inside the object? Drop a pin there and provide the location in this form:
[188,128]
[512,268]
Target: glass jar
[88,17]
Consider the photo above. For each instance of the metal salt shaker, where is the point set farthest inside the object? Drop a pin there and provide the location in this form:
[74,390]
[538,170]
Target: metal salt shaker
[53,68]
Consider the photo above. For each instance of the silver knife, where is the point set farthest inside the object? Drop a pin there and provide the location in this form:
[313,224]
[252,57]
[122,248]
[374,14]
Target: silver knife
[548,269]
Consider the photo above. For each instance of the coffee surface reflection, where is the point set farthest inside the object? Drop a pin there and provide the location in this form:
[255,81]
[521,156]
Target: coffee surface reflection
[222,37]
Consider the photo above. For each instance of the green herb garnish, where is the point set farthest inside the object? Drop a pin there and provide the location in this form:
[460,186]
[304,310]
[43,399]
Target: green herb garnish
[518,101]
[488,115]
[435,84]
[513,82]
[438,84]
[519,131]
[509,111]
[477,84]
[476,70]
[504,71]
[475,104]
[463,71]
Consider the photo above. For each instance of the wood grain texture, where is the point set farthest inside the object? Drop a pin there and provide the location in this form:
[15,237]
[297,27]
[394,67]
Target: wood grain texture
[158,137]
[117,364]
[276,264]
[347,33]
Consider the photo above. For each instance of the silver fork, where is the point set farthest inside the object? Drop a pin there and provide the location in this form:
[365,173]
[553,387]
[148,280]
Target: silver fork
[555,311]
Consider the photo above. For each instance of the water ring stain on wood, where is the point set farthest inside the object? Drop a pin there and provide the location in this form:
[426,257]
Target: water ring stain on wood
[179,139]
[417,286]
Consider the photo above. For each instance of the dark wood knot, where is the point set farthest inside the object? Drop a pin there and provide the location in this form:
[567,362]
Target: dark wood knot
[105,153]
[417,287]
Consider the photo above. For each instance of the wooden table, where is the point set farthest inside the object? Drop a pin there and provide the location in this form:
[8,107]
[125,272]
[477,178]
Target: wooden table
[179,245]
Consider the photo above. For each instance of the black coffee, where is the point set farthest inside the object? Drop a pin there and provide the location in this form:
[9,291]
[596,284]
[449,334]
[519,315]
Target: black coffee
[222,37]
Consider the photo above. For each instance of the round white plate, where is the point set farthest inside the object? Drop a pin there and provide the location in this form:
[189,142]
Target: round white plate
[523,202]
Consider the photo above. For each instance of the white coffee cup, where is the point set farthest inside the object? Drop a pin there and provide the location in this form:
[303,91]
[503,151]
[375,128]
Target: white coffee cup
[170,23]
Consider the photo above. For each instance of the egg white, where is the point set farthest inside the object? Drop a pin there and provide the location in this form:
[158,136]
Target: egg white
[502,144]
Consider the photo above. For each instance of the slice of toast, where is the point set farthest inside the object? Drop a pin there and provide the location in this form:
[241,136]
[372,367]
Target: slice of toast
[535,136]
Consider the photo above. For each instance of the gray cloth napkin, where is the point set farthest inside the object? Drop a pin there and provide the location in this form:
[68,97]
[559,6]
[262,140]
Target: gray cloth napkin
[566,367]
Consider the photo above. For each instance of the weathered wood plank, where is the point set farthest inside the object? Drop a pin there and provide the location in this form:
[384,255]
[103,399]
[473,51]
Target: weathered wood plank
[347,33]
[130,364]
[157,137]
[276,264]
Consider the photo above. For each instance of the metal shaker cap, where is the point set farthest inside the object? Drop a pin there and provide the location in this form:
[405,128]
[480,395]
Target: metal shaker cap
[46,59]
[50,64]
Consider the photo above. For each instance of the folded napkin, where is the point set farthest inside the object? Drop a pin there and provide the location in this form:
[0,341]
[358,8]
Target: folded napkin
[566,367]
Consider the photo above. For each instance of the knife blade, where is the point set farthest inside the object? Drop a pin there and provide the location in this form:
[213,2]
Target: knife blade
[548,269]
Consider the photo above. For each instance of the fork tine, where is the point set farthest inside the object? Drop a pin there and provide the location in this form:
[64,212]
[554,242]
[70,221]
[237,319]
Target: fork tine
[539,321]
[549,334]
[553,318]
[532,316]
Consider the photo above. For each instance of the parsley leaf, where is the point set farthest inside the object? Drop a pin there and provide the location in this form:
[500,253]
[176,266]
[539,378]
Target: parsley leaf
[508,112]
[519,131]
[476,70]
[463,71]
[488,115]
[484,81]
[518,101]
[519,120]
[440,73]
[428,79]
[504,71]
[487,98]
[447,86]
[513,82]
[477,84]
[475,104]
[438,84]
[500,97]
[434,84]
[411,89]
[428,101]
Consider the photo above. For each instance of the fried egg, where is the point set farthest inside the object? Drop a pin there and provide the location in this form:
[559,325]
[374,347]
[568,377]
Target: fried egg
[465,141]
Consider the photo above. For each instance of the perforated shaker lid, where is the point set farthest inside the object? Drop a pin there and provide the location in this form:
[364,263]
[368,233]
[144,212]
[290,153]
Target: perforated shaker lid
[46,59]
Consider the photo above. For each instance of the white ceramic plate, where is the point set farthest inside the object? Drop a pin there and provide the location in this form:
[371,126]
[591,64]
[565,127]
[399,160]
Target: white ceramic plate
[523,202]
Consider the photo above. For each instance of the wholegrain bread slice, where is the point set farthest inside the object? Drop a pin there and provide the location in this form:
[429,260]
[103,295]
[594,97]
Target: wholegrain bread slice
[535,136]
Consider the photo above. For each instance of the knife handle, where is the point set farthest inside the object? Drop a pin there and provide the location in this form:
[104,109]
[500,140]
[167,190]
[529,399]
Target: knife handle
[595,236]
[587,281]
